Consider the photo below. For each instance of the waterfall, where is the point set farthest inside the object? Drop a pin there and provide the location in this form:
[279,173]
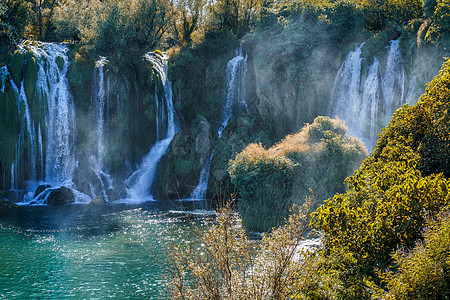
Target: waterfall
[98,97]
[3,77]
[366,97]
[235,84]
[140,182]
[29,131]
[52,82]
[96,152]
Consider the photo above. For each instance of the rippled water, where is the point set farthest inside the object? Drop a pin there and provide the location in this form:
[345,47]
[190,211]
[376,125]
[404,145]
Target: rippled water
[85,252]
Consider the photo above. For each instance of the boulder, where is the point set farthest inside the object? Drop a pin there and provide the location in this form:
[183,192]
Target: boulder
[60,196]
[40,189]
[5,204]
[97,201]
[114,195]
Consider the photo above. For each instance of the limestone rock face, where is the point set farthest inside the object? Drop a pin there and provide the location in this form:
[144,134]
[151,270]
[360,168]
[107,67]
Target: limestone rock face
[179,170]
[60,196]
[203,140]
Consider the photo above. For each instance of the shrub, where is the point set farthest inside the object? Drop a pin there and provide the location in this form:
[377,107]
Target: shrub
[228,265]
[423,272]
[318,157]
[439,31]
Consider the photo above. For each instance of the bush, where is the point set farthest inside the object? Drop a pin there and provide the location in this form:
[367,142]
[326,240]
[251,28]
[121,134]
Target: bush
[228,265]
[318,157]
[439,31]
[423,272]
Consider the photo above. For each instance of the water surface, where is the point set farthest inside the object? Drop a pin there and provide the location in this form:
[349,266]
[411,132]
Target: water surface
[84,252]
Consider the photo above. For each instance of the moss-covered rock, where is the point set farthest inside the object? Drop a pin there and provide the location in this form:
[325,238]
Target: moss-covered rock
[17,66]
[8,128]
[40,189]
[60,62]
[5,55]
[5,204]
[97,201]
[179,170]
[30,74]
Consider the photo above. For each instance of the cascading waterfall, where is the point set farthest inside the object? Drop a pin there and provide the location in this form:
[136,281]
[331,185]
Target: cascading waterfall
[60,116]
[140,182]
[4,73]
[366,99]
[99,96]
[22,103]
[393,81]
[236,73]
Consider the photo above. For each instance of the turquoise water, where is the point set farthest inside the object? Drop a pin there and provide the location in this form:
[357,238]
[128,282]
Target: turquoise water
[82,252]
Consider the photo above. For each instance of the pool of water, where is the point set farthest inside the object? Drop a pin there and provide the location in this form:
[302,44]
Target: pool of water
[84,252]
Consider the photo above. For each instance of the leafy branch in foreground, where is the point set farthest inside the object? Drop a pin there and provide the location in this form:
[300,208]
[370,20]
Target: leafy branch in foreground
[228,265]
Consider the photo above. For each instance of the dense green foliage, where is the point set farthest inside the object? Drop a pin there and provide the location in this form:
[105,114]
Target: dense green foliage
[423,271]
[318,157]
[404,182]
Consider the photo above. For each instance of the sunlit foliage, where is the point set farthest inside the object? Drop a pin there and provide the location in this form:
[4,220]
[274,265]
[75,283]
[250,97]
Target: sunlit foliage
[423,271]
[228,265]
[318,157]
[439,31]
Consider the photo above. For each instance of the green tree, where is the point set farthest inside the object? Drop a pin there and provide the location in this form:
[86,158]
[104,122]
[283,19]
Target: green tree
[41,19]
[233,16]
[13,21]
[188,19]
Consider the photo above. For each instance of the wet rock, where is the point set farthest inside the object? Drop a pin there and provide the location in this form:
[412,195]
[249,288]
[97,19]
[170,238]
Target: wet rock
[14,196]
[97,201]
[40,189]
[114,195]
[60,196]
[203,140]
[5,204]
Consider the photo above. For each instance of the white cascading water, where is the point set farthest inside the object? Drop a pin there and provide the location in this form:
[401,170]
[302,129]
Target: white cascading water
[236,73]
[141,181]
[4,73]
[99,96]
[22,103]
[367,100]
[60,115]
